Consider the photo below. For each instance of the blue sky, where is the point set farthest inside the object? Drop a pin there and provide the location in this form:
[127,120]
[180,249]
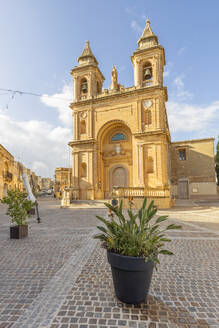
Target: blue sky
[40,43]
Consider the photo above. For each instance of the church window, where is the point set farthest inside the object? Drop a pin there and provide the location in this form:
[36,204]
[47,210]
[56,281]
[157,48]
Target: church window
[150,165]
[83,170]
[118,137]
[147,117]
[147,72]
[82,127]
[84,86]
[182,154]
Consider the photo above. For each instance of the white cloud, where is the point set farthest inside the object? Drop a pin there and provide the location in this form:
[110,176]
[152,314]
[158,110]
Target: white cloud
[180,91]
[185,117]
[61,102]
[136,27]
[37,165]
[37,144]
[181,51]
[168,69]
[132,11]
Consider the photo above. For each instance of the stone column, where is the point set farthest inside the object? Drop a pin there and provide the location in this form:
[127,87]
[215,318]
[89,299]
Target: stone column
[159,164]
[76,126]
[157,113]
[137,73]
[140,165]
[89,120]
[91,174]
[76,88]
[76,169]
[89,81]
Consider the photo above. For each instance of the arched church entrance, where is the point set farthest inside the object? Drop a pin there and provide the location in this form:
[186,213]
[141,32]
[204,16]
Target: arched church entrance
[114,158]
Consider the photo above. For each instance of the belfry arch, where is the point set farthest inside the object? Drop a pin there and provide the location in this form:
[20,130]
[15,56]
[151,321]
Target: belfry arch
[114,144]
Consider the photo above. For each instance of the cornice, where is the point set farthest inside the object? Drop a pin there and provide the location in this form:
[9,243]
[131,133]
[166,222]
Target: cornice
[81,142]
[138,52]
[85,68]
[192,140]
[149,133]
[107,97]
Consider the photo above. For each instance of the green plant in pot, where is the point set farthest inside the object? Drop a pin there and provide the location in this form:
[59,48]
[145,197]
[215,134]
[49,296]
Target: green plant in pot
[18,208]
[133,246]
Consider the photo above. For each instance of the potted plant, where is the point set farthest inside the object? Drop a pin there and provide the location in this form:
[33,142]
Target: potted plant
[133,246]
[18,208]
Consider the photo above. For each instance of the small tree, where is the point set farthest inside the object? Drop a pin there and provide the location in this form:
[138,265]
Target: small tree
[217,162]
[18,206]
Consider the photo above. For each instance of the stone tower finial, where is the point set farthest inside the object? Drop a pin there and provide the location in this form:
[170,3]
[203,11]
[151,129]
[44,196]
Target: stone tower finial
[148,38]
[87,56]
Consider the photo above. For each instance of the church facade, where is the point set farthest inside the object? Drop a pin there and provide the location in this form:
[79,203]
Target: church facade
[121,139]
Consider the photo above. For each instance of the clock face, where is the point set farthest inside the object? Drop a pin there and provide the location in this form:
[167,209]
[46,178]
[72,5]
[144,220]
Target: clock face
[147,103]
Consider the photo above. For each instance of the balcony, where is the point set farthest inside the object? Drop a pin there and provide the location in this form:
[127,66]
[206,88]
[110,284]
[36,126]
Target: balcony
[7,176]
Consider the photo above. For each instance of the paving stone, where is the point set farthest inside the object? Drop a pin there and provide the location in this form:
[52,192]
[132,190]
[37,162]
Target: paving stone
[58,277]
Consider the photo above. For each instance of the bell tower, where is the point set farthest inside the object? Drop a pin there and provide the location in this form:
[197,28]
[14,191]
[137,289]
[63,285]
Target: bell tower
[148,60]
[88,79]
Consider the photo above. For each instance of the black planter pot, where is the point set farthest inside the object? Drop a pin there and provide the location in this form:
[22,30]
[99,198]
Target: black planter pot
[19,231]
[131,277]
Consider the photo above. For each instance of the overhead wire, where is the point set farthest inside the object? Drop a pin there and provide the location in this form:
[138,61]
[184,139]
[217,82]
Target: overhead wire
[31,94]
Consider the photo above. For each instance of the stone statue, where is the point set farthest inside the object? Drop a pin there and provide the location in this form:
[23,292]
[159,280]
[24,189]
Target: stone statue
[114,74]
[115,86]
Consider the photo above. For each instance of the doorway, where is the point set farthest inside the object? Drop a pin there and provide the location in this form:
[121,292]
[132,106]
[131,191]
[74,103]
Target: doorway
[118,178]
[183,189]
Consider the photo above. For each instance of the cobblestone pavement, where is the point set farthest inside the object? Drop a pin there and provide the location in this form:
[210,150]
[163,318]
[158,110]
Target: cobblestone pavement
[58,277]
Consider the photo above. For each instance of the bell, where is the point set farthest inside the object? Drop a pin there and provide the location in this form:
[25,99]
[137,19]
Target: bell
[147,74]
[84,87]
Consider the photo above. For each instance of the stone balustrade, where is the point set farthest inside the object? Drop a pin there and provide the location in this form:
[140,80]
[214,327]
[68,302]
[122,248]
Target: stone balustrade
[140,192]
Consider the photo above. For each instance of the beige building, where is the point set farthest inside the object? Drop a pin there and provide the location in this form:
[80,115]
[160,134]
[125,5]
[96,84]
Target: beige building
[63,179]
[11,175]
[46,184]
[193,168]
[121,136]
[6,171]
[18,171]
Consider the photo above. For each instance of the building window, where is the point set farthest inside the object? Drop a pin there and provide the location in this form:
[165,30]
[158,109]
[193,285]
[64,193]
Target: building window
[150,165]
[83,170]
[182,154]
[84,86]
[118,137]
[82,127]
[147,117]
[147,72]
